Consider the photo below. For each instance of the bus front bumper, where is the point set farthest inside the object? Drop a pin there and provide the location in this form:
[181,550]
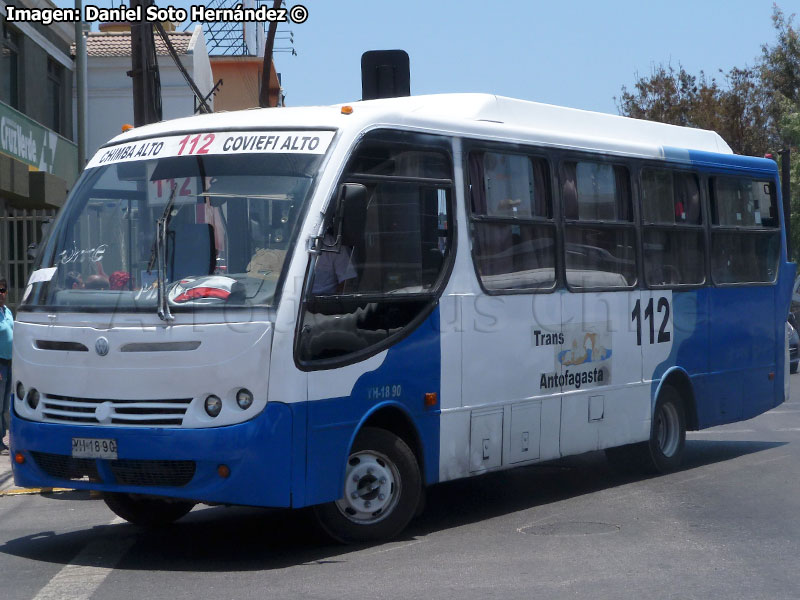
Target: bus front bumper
[170,462]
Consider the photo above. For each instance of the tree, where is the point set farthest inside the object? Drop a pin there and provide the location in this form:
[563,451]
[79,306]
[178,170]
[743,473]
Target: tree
[739,111]
[780,73]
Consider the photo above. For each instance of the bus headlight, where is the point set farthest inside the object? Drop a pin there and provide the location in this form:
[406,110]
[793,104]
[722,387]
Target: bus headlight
[20,390]
[33,398]
[213,405]
[244,398]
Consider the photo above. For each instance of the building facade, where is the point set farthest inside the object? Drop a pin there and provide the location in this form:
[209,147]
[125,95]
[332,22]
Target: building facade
[38,156]
[110,101]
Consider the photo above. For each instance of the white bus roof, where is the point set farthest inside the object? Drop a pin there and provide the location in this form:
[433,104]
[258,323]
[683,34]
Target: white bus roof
[480,115]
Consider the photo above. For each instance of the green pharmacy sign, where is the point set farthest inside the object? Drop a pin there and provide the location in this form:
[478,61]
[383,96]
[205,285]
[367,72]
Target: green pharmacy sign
[37,146]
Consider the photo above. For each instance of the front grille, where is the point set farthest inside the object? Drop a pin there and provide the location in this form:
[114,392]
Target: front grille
[159,473]
[61,346]
[66,467]
[148,413]
[173,473]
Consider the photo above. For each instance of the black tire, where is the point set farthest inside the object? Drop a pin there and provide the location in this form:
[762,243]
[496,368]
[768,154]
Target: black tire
[146,511]
[382,473]
[663,452]
[793,368]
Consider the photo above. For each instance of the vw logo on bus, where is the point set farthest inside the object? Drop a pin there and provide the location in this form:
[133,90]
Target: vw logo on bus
[101,346]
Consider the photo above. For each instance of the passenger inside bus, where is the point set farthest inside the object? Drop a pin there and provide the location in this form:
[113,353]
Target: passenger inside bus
[334,269]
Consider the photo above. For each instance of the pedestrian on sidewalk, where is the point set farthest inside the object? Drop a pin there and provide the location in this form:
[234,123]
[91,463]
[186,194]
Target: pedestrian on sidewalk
[6,338]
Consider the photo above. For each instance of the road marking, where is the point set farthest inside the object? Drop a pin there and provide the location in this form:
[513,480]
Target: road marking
[721,432]
[28,491]
[79,579]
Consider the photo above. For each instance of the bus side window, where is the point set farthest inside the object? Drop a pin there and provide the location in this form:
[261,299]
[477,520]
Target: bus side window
[385,275]
[511,221]
[599,235]
[673,235]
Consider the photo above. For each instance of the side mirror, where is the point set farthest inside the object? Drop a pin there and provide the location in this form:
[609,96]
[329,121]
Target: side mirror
[351,213]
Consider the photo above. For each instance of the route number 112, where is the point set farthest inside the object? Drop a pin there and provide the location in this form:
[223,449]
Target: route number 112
[636,315]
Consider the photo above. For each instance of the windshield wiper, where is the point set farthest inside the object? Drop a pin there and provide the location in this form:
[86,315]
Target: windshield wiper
[158,254]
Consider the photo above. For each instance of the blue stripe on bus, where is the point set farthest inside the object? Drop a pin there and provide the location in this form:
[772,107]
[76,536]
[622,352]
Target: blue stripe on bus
[732,161]
[721,162]
[411,369]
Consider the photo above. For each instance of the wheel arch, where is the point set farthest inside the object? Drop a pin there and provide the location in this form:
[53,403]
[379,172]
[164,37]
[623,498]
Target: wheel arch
[395,418]
[678,379]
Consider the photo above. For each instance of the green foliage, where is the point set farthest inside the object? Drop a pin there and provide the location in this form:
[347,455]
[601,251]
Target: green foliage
[739,110]
[781,62]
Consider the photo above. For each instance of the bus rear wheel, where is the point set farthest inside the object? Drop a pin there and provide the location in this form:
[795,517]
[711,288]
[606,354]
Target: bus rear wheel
[146,511]
[382,490]
[663,452]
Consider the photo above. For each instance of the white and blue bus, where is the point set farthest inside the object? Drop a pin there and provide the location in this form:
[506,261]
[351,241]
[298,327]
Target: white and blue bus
[339,306]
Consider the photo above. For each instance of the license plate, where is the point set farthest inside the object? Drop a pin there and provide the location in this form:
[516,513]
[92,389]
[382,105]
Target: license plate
[94,448]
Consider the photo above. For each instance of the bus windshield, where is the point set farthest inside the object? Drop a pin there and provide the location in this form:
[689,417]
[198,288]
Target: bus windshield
[232,219]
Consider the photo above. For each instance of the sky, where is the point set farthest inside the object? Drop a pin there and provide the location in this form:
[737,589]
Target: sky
[573,53]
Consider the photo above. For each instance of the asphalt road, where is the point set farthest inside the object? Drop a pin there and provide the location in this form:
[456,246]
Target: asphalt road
[725,526]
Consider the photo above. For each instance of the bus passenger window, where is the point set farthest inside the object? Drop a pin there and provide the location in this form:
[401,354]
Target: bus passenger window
[602,191]
[376,283]
[599,238]
[745,239]
[673,236]
[511,221]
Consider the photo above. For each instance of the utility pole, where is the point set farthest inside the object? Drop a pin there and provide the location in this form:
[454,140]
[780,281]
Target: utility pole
[80,84]
[144,71]
[263,96]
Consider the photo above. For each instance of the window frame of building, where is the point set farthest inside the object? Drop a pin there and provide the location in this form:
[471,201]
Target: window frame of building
[55,95]
[11,43]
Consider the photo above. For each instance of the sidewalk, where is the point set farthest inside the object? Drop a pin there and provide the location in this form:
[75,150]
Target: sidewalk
[6,478]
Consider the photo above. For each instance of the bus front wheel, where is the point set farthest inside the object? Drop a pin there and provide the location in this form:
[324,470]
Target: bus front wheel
[382,490]
[144,510]
[663,452]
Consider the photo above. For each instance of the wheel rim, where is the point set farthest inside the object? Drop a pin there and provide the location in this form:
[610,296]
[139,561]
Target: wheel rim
[668,429]
[371,489]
